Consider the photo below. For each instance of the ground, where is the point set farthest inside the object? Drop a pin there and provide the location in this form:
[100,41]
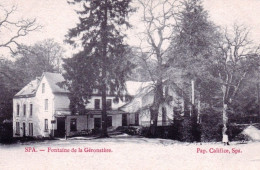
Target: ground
[129,153]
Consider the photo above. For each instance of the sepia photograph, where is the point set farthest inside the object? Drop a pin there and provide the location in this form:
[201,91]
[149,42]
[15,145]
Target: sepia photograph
[129,84]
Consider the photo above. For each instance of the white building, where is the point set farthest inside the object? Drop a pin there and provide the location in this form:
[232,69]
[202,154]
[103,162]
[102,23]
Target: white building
[41,109]
[143,100]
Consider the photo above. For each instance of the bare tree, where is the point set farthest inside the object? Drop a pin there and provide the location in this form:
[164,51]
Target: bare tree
[43,56]
[158,18]
[11,30]
[236,58]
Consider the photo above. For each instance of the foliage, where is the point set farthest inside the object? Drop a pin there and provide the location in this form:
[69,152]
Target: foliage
[130,130]
[235,60]
[101,63]
[211,126]
[10,84]
[187,129]
[6,132]
[191,48]
[140,71]
[160,132]
[43,56]
[157,23]
[220,62]
[11,31]
[190,55]
[31,62]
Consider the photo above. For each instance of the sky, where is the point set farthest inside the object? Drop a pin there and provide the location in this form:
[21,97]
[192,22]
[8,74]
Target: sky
[226,12]
[57,16]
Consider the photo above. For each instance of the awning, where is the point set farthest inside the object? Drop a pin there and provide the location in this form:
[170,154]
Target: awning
[62,113]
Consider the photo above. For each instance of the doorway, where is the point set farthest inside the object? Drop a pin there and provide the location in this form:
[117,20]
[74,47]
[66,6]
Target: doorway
[124,119]
[30,129]
[97,123]
[109,121]
[60,132]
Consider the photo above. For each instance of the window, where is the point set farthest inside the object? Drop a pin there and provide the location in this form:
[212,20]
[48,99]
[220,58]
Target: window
[24,129]
[43,87]
[73,125]
[30,129]
[18,109]
[31,109]
[24,109]
[46,104]
[109,104]
[97,103]
[46,124]
[124,119]
[17,128]
[136,119]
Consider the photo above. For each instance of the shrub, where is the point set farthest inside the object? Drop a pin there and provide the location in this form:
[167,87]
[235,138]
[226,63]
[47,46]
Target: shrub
[188,130]
[234,132]
[130,130]
[6,132]
[211,126]
[211,132]
[185,129]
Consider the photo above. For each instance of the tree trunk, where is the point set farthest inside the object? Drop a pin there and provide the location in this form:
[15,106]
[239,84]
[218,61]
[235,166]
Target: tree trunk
[199,111]
[154,110]
[104,113]
[192,113]
[104,70]
[224,114]
[225,119]
[192,92]
[258,98]
[154,120]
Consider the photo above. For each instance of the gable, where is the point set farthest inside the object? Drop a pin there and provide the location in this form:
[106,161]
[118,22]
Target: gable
[50,79]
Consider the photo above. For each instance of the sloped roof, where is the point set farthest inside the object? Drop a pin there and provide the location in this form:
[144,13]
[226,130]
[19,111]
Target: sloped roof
[143,96]
[29,90]
[53,80]
[252,132]
[135,87]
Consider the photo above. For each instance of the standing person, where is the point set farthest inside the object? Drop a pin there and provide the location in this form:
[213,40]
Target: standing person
[225,139]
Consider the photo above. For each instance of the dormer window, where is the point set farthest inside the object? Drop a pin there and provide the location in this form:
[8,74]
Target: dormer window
[43,87]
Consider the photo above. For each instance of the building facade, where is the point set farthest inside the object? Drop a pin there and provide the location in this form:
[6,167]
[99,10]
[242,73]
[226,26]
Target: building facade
[41,109]
[143,100]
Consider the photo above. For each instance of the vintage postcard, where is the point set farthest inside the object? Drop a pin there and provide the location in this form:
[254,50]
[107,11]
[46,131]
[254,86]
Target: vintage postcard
[129,84]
